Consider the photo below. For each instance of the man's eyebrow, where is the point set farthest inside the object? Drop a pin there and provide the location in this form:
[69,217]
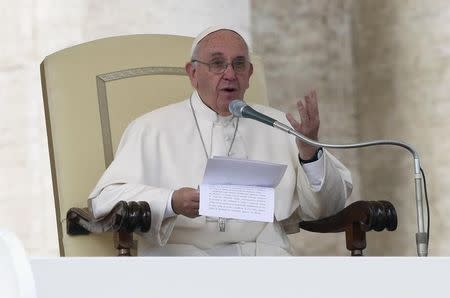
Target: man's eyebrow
[216,54]
[221,55]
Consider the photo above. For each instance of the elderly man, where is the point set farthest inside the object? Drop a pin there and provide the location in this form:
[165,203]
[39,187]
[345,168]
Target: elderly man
[162,162]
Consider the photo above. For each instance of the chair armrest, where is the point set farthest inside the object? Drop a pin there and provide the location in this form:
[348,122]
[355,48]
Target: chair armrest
[124,219]
[355,220]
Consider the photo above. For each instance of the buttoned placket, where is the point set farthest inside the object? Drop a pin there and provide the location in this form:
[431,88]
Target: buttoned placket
[222,138]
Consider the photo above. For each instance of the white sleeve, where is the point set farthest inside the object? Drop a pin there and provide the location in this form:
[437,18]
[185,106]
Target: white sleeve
[315,171]
[158,198]
[126,179]
[169,210]
[323,198]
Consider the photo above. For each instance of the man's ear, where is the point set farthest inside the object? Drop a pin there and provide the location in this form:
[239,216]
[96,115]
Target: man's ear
[250,71]
[192,73]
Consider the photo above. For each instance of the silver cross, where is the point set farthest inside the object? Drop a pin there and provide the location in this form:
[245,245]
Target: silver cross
[221,221]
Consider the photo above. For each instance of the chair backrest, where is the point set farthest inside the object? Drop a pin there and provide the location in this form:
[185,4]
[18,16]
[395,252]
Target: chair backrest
[91,92]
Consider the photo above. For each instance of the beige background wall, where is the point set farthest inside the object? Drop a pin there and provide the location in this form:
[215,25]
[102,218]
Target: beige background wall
[308,45]
[402,55]
[380,69]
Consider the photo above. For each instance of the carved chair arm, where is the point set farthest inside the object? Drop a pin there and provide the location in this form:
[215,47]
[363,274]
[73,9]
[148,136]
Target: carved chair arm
[355,220]
[124,219]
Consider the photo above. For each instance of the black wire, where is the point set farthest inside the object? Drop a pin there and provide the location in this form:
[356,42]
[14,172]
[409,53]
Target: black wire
[428,206]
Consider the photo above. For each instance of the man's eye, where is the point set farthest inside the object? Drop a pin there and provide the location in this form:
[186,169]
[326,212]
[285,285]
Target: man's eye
[217,63]
[239,64]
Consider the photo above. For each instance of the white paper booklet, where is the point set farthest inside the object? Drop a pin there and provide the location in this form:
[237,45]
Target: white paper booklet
[240,188]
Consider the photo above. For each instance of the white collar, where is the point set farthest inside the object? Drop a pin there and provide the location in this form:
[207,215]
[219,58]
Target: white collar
[202,111]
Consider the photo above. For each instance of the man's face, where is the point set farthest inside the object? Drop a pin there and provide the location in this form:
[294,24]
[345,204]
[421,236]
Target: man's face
[217,90]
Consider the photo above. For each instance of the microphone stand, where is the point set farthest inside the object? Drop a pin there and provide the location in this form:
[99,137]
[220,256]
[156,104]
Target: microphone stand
[421,235]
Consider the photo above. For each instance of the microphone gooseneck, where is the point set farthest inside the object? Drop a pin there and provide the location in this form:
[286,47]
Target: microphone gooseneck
[240,109]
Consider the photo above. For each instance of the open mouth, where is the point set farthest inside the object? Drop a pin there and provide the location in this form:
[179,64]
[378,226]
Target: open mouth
[228,89]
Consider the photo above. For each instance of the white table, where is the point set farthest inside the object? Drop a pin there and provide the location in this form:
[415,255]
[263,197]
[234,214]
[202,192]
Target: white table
[242,277]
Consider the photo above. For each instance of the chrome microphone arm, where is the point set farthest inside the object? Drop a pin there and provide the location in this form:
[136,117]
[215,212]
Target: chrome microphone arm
[421,235]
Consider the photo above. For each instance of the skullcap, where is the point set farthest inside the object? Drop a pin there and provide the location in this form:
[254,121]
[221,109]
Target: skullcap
[207,32]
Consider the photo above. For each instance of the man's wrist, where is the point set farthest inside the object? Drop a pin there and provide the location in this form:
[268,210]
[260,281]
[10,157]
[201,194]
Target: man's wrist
[317,155]
[169,211]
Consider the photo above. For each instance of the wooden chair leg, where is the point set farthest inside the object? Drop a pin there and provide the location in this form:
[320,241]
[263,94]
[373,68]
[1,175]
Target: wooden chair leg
[123,242]
[355,239]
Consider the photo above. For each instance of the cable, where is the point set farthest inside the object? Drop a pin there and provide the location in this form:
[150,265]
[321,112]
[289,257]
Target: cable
[426,201]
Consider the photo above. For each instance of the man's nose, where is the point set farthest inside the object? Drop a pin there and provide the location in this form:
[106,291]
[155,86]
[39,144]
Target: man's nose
[229,72]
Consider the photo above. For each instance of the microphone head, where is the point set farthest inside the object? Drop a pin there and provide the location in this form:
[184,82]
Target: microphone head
[235,107]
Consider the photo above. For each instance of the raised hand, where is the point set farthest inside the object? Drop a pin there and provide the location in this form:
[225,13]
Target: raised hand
[308,125]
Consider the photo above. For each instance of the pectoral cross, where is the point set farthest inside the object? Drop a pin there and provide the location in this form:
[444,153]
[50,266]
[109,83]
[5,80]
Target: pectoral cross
[221,222]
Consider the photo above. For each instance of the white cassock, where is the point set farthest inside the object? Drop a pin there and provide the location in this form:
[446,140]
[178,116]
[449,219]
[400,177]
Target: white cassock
[162,151]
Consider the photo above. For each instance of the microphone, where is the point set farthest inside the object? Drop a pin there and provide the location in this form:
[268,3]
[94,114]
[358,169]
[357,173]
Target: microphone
[240,109]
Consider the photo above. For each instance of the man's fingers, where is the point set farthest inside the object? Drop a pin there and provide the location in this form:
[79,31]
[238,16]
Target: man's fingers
[185,201]
[307,106]
[194,206]
[194,212]
[302,111]
[312,106]
[295,124]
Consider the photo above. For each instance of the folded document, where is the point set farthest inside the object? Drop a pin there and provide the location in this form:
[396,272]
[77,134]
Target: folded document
[240,188]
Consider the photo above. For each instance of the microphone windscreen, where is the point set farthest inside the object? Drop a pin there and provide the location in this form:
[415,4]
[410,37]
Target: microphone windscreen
[235,107]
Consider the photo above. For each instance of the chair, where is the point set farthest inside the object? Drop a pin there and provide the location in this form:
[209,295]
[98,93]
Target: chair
[91,92]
